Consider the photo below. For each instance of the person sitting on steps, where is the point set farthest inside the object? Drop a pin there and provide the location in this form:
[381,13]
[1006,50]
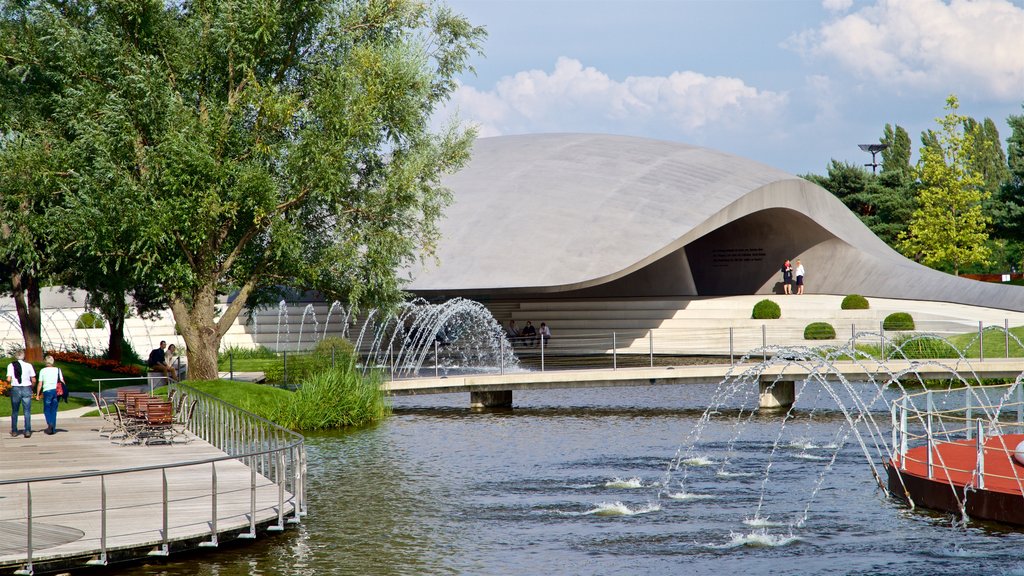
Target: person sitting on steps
[157,362]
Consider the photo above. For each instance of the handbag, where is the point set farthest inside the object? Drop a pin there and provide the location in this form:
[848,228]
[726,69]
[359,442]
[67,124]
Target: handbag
[61,387]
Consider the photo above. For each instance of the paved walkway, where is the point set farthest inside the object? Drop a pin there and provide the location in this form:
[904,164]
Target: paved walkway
[67,522]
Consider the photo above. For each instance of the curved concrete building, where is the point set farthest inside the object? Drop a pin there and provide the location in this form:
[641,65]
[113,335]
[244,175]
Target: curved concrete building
[582,215]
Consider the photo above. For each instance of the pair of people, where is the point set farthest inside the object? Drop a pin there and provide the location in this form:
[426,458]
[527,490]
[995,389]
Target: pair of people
[22,376]
[788,272]
[162,360]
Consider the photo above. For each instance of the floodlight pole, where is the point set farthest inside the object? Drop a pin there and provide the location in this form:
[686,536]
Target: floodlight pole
[874,149]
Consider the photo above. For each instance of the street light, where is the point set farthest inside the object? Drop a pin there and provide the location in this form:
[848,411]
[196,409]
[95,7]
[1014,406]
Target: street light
[874,149]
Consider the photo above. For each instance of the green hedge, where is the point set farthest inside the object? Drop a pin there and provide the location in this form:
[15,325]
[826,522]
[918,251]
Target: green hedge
[855,302]
[89,320]
[819,331]
[898,321]
[766,310]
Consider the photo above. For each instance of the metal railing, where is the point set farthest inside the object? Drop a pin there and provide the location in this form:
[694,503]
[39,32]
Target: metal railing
[970,413]
[274,456]
[576,348]
[754,342]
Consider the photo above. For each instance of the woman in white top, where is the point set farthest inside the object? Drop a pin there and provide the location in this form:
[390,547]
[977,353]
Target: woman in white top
[47,388]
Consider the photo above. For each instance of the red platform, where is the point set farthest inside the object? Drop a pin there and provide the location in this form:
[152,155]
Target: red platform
[953,475]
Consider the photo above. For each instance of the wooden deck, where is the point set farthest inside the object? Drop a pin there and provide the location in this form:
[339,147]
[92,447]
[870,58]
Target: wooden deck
[66,530]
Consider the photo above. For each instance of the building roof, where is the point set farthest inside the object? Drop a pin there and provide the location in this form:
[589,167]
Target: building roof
[549,213]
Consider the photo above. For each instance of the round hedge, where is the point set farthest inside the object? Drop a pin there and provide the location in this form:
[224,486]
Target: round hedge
[766,310]
[819,331]
[855,302]
[898,321]
[89,320]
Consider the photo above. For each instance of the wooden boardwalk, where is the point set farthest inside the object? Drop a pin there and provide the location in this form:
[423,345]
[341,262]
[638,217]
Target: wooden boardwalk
[67,519]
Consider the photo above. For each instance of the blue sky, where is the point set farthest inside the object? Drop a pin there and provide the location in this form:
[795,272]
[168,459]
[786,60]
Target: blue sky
[792,83]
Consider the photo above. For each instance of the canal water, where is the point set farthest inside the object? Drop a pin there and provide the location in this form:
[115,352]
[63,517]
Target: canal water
[578,482]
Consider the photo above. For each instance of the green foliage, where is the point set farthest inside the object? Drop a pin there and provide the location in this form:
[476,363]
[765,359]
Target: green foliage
[335,398]
[190,144]
[949,227]
[245,353]
[264,401]
[294,368]
[896,156]
[921,347]
[898,321]
[883,203]
[128,354]
[338,348]
[854,302]
[89,320]
[819,331]
[766,310]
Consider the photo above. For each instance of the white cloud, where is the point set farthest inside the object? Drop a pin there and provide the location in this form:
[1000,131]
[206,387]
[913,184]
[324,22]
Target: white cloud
[573,97]
[967,46]
[837,5]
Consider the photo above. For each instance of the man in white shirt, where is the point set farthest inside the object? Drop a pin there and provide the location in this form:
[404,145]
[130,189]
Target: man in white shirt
[21,376]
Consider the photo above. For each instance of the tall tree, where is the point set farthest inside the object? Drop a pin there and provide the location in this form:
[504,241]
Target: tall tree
[986,154]
[883,203]
[33,159]
[1008,207]
[254,144]
[948,228]
[896,156]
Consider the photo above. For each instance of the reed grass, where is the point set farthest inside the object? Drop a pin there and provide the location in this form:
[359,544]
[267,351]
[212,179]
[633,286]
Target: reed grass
[335,397]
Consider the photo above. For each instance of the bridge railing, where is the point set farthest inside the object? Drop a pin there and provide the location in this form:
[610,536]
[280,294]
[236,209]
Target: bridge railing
[755,342]
[976,414]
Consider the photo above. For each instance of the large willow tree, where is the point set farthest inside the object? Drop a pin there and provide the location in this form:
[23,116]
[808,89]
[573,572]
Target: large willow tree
[228,147]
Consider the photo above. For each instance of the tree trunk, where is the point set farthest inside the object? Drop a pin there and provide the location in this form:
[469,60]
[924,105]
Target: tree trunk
[115,345]
[25,289]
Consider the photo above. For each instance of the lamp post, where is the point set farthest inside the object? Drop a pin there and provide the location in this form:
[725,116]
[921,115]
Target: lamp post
[874,149]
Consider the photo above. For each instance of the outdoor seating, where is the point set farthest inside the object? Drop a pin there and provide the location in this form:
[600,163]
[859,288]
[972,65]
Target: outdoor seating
[158,422]
[140,418]
[107,413]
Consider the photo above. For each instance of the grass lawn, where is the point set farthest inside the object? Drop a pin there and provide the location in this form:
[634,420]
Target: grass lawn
[79,379]
[259,399]
[994,343]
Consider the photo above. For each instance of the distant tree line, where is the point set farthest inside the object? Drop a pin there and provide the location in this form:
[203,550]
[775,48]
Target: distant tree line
[959,209]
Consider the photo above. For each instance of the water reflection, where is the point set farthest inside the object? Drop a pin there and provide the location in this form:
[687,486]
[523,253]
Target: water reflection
[569,483]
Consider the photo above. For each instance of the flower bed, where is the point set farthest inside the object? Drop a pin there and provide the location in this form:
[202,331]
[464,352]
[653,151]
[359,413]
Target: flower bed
[96,363]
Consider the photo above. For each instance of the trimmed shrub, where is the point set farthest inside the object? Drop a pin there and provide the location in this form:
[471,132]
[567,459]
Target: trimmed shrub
[819,331]
[855,302]
[90,320]
[766,310]
[898,321]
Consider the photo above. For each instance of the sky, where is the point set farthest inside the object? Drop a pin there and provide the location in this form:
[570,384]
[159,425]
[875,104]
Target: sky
[790,83]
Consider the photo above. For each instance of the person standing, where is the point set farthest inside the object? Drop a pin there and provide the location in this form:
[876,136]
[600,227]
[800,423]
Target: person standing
[787,278]
[799,277]
[21,376]
[47,390]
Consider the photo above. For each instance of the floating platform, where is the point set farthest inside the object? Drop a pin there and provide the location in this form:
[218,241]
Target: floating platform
[954,479]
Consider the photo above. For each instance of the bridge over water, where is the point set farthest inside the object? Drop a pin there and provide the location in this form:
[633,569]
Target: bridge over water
[776,380]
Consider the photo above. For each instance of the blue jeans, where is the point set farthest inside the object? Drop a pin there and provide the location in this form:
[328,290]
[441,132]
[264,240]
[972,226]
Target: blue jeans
[21,396]
[50,401]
